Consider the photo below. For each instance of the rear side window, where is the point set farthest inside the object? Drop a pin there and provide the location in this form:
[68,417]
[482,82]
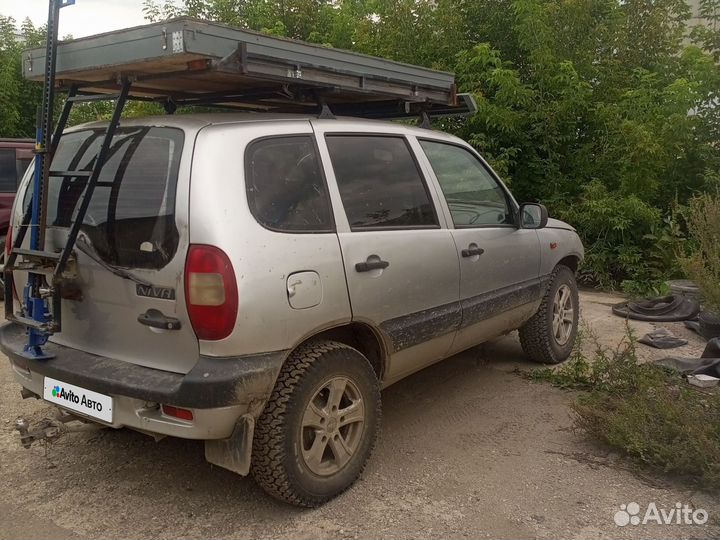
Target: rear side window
[131,218]
[285,185]
[22,165]
[8,171]
[380,183]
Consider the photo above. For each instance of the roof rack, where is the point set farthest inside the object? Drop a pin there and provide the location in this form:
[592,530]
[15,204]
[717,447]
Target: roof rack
[191,62]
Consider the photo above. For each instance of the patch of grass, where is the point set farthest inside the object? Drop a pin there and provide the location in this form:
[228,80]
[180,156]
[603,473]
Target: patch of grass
[648,412]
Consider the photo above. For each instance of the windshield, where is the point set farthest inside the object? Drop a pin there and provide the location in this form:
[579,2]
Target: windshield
[131,218]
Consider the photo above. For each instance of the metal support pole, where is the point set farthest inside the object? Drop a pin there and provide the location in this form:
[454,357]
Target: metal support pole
[35,303]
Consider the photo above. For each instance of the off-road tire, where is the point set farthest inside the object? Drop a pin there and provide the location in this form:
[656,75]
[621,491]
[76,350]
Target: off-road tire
[709,325]
[277,464]
[536,336]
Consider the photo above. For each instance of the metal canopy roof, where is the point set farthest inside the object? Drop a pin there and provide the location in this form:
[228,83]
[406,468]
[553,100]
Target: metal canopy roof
[191,62]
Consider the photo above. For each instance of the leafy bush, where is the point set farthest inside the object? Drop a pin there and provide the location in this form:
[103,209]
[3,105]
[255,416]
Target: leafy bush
[613,139]
[649,413]
[627,241]
[703,265]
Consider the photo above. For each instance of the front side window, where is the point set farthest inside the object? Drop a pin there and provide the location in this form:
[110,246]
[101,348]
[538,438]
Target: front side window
[131,218]
[380,184]
[285,185]
[474,196]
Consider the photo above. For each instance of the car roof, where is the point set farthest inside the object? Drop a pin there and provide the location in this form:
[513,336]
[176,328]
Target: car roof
[197,121]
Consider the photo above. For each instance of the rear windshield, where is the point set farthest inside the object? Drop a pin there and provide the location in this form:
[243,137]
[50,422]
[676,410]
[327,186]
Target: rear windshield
[131,218]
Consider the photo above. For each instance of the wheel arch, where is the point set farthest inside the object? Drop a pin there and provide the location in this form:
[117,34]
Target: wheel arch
[570,261]
[360,336]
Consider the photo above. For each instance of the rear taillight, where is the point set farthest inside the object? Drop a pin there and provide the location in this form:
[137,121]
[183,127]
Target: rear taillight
[210,292]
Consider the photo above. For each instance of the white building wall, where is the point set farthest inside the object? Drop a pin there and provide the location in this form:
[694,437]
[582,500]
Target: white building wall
[695,6]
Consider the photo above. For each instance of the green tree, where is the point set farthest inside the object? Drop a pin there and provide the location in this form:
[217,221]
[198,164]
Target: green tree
[603,109]
[309,20]
[707,34]
[9,81]
[20,97]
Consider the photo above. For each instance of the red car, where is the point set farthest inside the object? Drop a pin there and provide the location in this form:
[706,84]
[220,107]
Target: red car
[15,157]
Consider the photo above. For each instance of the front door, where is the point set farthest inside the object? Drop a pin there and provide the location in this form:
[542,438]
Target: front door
[499,263]
[400,260]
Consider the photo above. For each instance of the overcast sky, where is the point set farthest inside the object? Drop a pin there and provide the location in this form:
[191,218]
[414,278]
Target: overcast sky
[85,18]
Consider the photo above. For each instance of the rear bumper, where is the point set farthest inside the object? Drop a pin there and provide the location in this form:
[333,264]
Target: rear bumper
[217,390]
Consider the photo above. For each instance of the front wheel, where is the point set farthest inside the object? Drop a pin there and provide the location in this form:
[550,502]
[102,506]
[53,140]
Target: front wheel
[319,426]
[549,337]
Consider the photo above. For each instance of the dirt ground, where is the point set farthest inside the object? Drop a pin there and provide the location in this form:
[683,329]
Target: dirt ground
[468,449]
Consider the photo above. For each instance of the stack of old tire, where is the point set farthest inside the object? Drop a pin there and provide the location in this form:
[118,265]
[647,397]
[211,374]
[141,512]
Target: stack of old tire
[708,323]
[682,304]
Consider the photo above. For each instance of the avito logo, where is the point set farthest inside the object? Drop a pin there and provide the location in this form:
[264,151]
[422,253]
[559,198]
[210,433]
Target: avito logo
[60,393]
[630,514]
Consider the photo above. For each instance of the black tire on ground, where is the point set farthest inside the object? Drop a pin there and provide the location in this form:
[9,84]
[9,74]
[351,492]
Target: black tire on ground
[537,336]
[709,325]
[278,462]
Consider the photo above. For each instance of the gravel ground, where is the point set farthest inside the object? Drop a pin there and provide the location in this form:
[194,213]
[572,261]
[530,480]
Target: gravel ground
[468,450]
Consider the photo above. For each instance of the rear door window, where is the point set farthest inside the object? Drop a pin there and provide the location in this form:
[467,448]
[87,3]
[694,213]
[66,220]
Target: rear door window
[285,185]
[8,171]
[380,183]
[131,218]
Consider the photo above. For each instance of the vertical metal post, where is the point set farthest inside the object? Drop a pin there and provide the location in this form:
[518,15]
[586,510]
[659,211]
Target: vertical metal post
[36,306]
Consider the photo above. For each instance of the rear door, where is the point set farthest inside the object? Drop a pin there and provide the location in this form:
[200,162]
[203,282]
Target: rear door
[400,260]
[137,222]
[499,263]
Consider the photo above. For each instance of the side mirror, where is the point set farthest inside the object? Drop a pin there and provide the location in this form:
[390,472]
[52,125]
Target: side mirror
[532,216]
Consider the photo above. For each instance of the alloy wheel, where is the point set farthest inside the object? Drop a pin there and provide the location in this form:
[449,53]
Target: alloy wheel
[332,426]
[563,315]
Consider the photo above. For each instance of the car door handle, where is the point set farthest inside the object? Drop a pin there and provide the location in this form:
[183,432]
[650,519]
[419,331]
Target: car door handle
[371,264]
[472,251]
[155,319]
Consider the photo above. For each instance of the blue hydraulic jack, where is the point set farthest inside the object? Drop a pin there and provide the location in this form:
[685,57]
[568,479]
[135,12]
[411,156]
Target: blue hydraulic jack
[42,296]
[36,293]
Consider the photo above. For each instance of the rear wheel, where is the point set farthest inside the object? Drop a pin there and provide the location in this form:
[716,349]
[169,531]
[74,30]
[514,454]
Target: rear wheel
[319,427]
[549,337]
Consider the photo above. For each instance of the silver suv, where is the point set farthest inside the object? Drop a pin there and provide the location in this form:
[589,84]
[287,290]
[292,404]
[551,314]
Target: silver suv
[254,281]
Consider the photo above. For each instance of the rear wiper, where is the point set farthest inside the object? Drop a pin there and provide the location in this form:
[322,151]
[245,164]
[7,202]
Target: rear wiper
[87,248]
